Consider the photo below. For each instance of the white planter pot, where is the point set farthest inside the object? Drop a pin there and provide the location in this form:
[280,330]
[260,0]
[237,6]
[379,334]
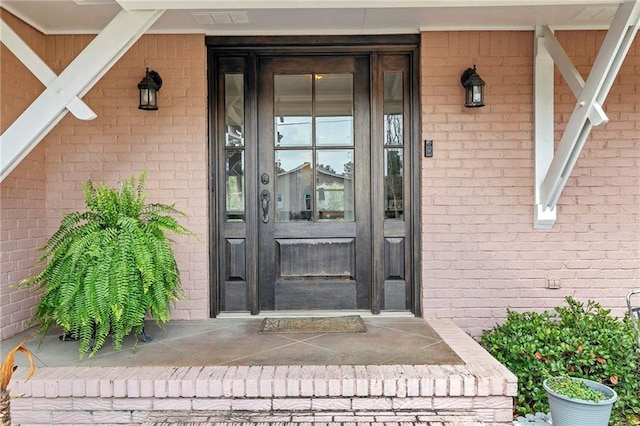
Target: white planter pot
[567,411]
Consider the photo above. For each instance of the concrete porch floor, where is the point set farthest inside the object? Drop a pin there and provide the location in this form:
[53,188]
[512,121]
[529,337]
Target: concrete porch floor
[238,341]
[224,371]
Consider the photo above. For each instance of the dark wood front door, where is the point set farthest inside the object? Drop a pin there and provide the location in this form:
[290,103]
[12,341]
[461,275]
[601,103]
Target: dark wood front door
[314,190]
[315,178]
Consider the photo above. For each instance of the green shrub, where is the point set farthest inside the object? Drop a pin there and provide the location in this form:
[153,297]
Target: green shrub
[109,266]
[574,340]
[576,389]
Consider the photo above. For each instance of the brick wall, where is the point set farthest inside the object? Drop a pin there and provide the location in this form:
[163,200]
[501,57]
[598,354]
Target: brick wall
[480,252]
[170,144]
[22,194]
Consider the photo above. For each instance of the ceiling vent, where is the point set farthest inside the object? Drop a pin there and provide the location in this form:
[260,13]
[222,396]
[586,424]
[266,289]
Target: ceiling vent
[221,18]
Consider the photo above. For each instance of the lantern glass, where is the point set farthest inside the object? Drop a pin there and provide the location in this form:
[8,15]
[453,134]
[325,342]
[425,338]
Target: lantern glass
[144,98]
[473,88]
[476,96]
[148,88]
[148,99]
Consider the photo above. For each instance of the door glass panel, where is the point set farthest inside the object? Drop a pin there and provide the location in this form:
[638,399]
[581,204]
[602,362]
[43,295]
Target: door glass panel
[234,147]
[393,183]
[293,197]
[393,101]
[293,109]
[234,109]
[235,185]
[393,137]
[334,184]
[334,109]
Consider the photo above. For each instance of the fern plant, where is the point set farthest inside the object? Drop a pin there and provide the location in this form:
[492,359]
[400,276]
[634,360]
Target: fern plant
[109,266]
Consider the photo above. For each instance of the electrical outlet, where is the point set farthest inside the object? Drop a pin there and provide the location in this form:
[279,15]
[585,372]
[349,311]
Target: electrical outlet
[553,283]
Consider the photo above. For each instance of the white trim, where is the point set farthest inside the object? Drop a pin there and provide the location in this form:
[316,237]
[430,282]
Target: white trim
[341,4]
[39,68]
[591,95]
[571,75]
[510,28]
[75,81]
[543,218]
[93,2]
[362,31]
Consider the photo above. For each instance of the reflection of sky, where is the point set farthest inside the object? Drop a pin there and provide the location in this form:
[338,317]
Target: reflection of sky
[330,131]
[290,160]
[293,131]
[335,158]
[334,131]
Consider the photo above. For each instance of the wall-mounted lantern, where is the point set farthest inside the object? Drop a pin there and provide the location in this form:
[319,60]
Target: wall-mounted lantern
[149,87]
[473,88]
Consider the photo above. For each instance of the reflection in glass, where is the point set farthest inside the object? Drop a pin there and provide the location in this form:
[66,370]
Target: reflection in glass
[393,101]
[334,184]
[393,183]
[334,109]
[234,168]
[234,109]
[293,110]
[293,197]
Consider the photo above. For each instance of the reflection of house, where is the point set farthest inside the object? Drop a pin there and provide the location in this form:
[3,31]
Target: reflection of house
[294,194]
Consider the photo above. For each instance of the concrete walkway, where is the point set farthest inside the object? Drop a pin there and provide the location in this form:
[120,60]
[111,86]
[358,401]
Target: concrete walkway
[538,419]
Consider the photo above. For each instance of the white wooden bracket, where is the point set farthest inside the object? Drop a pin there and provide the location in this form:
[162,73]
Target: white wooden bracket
[63,93]
[553,171]
[543,218]
[39,68]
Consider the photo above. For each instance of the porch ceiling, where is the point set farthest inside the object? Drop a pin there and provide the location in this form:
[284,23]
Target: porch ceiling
[261,17]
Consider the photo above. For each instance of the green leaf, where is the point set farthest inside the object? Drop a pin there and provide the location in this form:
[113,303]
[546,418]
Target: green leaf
[109,266]
[577,339]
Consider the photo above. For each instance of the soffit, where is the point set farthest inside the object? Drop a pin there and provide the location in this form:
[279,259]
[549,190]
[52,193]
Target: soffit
[304,17]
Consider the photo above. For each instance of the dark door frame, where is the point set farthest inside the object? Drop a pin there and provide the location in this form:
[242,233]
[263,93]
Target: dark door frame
[249,48]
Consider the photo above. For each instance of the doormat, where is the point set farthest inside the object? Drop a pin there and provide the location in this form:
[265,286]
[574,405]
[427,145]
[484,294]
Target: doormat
[346,324]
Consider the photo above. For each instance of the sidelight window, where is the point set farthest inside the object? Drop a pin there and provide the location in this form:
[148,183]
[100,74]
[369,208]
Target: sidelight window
[393,145]
[234,147]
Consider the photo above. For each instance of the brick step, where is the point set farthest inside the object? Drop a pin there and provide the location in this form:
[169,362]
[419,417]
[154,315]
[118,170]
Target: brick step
[455,395]
[308,418]
[354,423]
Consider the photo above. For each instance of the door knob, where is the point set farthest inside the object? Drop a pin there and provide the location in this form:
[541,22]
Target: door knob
[265,198]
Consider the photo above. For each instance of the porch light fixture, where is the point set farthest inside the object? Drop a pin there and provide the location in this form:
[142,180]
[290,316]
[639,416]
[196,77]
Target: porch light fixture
[473,88]
[149,87]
